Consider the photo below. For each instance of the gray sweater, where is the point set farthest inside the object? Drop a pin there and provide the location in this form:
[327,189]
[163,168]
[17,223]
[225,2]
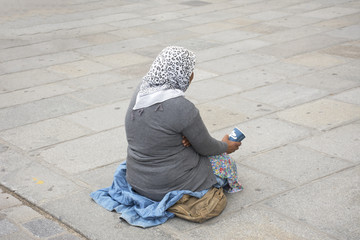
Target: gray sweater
[157,161]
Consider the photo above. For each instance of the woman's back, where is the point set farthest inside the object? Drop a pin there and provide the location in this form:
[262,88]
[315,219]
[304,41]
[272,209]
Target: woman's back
[157,160]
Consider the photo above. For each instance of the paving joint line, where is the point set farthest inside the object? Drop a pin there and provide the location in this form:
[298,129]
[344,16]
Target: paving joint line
[43,212]
[298,221]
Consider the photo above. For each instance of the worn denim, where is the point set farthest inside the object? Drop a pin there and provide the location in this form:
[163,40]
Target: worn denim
[137,210]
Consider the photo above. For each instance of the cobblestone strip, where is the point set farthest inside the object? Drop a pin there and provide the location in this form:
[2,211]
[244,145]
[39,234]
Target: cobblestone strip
[19,219]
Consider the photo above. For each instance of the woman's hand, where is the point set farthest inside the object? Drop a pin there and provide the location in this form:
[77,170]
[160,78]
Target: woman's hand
[185,142]
[232,146]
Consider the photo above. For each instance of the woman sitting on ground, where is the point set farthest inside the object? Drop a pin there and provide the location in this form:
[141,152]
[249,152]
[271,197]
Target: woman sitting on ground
[161,124]
[170,153]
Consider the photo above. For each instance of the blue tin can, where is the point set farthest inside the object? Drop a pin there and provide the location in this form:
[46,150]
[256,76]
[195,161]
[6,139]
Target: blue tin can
[236,135]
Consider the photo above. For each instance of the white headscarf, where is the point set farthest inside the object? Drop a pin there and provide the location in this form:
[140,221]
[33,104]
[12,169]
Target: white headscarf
[168,77]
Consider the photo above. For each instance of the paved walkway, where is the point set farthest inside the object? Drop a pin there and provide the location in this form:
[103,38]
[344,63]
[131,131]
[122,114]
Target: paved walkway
[21,220]
[285,72]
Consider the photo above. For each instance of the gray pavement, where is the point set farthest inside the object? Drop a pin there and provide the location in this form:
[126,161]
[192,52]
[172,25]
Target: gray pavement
[286,72]
[21,220]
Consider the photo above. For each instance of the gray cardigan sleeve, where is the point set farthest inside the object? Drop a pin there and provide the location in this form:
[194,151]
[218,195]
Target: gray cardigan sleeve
[200,139]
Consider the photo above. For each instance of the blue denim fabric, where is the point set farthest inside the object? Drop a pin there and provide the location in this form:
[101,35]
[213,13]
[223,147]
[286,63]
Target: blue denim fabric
[137,210]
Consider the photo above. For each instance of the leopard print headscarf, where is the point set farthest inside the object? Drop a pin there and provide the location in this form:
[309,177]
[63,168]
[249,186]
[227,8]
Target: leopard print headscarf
[171,69]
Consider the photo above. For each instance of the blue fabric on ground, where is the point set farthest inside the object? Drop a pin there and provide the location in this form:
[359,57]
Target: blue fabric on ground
[136,209]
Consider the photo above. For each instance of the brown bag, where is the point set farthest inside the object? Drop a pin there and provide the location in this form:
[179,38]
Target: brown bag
[200,209]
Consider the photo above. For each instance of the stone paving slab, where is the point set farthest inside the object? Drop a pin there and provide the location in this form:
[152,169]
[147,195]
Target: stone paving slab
[269,15]
[292,34]
[7,227]
[263,28]
[296,21]
[101,118]
[8,201]
[100,38]
[32,180]
[236,63]
[211,27]
[87,153]
[167,38]
[228,12]
[21,80]
[264,134]
[272,225]
[236,108]
[229,36]
[38,110]
[206,90]
[341,142]
[331,12]
[285,72]
[251,79]
[258,186]
[345,50]
[32,94]
[232,48]
[299,46]
[122,60]
[99,177]
[331,204]
[93,80]
[210,112]
[79,211]
[20,214]
[284,95]
[42,228]
[80,32]
[302,165]
[351,32]
[317,60]
[79,68]
[286,69]
[236,104]
[203,75]
[19,221]
[41,49]
[106,94]
[195,43]
[44,28]
[38,61]
[117,47]
[338,23]
[347,71]
[322,114]
[42,134]
[350,96]
[328,81]
[135,71]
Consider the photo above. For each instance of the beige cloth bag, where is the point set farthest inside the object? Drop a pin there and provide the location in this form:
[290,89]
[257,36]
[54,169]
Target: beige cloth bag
[200,209]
